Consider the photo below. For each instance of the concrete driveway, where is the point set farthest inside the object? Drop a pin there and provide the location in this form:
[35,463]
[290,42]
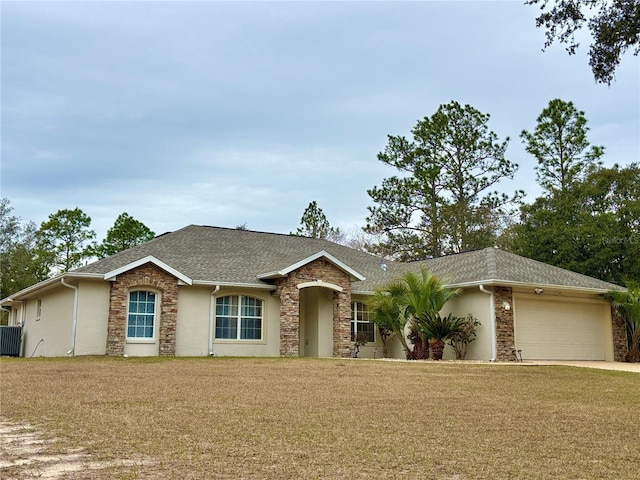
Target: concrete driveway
[620,366]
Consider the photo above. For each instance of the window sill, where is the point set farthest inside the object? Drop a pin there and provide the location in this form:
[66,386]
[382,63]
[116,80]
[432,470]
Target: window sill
[140,340]
[233,341]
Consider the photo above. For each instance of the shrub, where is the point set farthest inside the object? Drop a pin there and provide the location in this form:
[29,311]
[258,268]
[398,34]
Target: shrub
[361,340]
[461,339]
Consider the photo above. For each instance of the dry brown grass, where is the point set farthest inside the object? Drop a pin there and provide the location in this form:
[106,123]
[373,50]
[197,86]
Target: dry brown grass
[330,419]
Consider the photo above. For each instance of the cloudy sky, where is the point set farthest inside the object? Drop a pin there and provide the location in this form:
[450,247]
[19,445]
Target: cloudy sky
[226,113]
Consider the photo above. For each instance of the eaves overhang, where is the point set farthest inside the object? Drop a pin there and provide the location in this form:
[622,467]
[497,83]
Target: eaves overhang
[551,286]
[362,292]
[45,284]
[510,283]
[353,274]
[214,283]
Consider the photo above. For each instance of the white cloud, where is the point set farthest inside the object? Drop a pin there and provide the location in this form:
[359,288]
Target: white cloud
[231,112]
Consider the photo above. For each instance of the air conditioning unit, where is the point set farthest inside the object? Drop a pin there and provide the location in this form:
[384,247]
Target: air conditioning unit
[10,341]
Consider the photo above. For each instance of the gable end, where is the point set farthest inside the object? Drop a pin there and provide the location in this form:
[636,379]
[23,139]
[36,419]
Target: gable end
[148,259]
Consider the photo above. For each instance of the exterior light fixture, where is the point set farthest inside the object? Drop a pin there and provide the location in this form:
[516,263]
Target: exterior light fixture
[506,306]
[538,291]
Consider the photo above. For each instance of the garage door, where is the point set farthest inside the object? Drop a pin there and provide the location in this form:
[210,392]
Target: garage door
[559,330]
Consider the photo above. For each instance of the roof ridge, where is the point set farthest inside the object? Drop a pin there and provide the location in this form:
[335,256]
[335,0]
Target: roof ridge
[322,242]
[246,230]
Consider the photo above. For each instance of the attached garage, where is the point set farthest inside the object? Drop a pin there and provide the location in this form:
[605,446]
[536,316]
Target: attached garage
[558,328]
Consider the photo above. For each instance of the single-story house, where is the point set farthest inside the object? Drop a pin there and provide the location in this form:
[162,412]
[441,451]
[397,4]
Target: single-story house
[205,290]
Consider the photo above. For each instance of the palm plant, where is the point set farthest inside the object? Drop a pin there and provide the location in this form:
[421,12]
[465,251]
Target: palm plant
[411,300]
[628,304]
[439,329]
[426,297]
[386,313]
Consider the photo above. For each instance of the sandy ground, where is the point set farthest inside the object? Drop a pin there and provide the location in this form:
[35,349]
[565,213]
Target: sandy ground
[23,455]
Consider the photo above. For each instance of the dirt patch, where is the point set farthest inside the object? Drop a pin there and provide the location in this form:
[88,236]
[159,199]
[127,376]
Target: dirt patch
[25,454]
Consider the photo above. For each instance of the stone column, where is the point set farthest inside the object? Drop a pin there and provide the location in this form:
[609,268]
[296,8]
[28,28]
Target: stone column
[117,324]
[619,333]
[289,321]
[342,323]
[505,336]
[168,320]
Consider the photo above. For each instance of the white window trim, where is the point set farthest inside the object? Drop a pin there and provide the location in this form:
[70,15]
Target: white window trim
[156,318]
[355,321]
[38,310]
[239,340]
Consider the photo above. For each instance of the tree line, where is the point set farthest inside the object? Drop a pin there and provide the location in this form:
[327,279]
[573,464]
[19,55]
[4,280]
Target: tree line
[29,254]
[443,200]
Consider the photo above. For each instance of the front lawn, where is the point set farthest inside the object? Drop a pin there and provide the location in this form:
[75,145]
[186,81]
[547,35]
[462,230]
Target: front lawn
[215,418]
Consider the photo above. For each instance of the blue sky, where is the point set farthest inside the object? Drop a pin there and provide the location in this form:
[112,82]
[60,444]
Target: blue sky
[226,113]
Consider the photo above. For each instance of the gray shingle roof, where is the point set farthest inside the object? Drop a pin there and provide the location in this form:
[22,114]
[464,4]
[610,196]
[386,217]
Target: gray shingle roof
[213,254]
[495,266]
[231,256]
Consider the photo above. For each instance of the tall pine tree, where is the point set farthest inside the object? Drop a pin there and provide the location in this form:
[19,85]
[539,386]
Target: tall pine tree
[442,200]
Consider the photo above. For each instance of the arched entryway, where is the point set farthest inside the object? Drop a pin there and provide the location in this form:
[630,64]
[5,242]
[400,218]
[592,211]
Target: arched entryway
[324,313]
[316,321]
[317,313]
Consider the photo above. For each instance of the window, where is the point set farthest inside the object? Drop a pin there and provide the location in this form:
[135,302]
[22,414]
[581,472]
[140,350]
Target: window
[360,323]
[238,318]
[39,310]
[142,314]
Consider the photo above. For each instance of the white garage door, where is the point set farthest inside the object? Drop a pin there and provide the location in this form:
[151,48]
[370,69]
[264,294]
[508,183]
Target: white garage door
[560,330]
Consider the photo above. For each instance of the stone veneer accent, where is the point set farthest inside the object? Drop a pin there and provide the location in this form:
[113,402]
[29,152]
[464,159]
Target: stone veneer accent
[619,331]
[342,322]
[287,290]
[505,336]
[147,275]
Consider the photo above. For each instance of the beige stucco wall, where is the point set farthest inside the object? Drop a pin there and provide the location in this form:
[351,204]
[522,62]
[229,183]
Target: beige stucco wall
[54,325]
[93,315]
[325,322]
[308,322]
[473,301]
[194,320]
[316,322]
[470,301]
[139,349]
[192,325]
